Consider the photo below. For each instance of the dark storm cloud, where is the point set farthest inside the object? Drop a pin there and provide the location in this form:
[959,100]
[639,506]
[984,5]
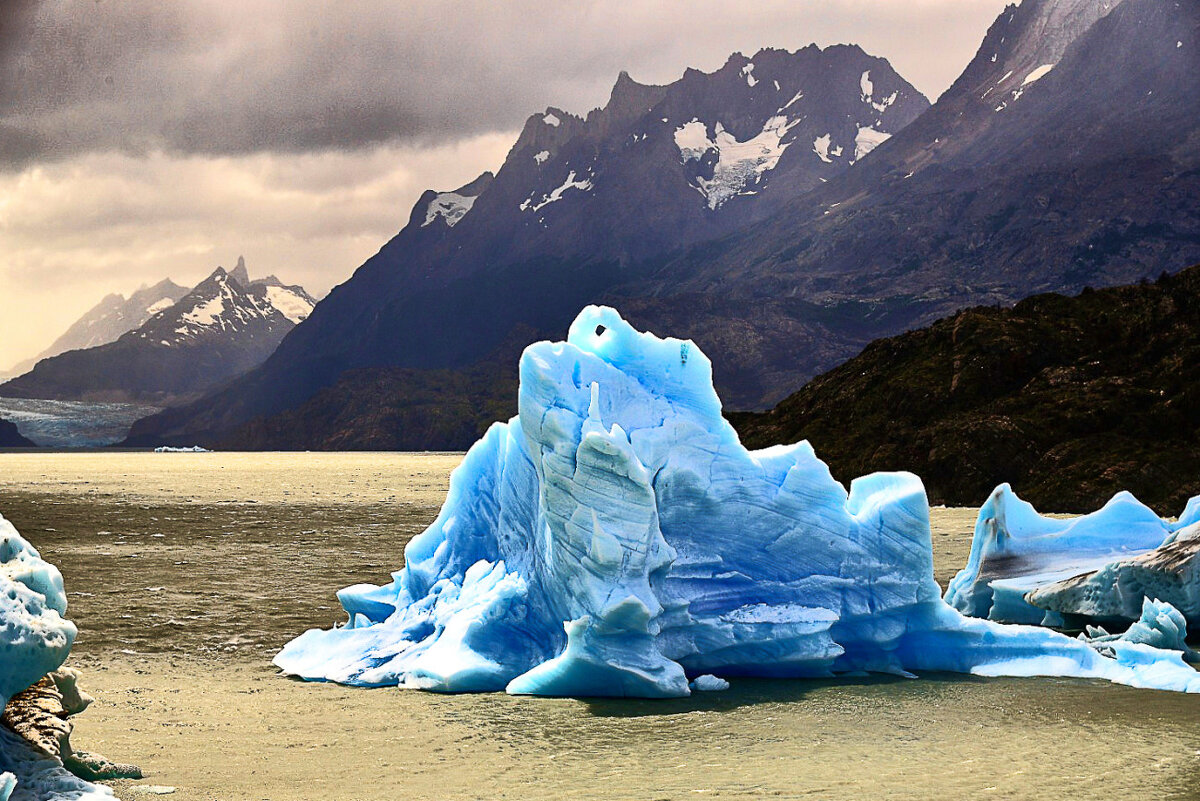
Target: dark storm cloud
[223,78]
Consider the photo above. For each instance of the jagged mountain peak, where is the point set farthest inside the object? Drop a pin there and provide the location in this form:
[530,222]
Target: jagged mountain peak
[239,273]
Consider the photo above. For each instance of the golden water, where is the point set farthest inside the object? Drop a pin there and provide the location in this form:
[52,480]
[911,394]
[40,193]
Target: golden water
[186,571]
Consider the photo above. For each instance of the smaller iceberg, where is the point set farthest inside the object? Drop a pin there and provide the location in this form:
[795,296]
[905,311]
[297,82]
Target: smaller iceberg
[170,449]
[1017,555]
[1160,626]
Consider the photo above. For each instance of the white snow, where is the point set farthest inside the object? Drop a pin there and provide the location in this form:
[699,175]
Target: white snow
[207,312]
[865,84]
[1007,75]
[541,156]
[821,148]
[1037,74]
[159,305]
[290,305]
[792,101]
[748,71]
[776,85]
[551,120]
[739,164]
[1178,45]
[557,193]
[450,206]
[867,140]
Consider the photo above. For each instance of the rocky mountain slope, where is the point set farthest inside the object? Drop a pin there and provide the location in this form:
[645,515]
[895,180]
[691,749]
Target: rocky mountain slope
[219,329]
[1069,399]
[109,319]
[1067,155]
[581,204]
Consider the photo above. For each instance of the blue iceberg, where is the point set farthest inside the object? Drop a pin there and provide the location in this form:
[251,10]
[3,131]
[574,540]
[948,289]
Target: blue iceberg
[1027,568]
[35,639]
[615,539]
[1161,625]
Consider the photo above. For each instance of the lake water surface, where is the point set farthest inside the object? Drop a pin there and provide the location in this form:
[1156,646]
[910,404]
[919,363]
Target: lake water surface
[185,572]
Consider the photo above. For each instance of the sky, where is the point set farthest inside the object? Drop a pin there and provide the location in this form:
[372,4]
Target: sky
[141,140]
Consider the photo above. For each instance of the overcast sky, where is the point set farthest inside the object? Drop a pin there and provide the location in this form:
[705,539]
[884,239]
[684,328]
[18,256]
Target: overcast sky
[141,139]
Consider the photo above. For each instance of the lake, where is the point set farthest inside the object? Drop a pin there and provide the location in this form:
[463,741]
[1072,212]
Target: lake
[186,572]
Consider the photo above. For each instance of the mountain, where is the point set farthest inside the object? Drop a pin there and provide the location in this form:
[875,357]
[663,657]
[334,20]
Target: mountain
[108,320]
[1066,155]
[1070,399]
[10,437]
[580,205]
[218,330]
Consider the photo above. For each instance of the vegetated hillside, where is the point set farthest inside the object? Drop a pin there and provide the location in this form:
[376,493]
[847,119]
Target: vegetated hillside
[1069,399]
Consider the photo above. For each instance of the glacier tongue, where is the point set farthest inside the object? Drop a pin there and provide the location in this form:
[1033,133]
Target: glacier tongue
[615,539]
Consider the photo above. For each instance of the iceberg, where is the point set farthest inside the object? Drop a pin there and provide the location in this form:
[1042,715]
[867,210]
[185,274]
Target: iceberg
[1027,568]
[35,639]
[615,539]
[1160,625]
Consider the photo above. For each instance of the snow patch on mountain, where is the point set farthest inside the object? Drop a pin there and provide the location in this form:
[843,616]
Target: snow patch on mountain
[552,120]
[290,304]
[159,305]
[867,140]
[738,164]
[556,194]
[748,71]
[450,206]
[541,156]
[1038,74]
[822,147]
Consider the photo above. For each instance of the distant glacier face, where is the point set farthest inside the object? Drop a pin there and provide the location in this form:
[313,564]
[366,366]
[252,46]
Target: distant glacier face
[616,539]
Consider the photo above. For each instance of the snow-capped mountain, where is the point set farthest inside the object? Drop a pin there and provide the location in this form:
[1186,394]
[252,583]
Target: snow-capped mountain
[109,319]
[584,201]
[1065,156]
[219,329]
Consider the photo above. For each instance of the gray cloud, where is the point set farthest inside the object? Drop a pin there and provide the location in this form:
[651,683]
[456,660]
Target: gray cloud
[218,78]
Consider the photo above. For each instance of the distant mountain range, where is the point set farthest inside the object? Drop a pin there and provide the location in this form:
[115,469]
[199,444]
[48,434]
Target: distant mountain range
[224,326]
[1068,399]
[782,211]
[108,320]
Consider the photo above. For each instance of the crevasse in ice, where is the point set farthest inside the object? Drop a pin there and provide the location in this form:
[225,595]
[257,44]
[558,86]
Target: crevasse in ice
[35,639]
[615,539]
[1027,568]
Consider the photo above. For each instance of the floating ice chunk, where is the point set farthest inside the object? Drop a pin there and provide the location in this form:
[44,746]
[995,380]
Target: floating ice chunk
[1015,551]
[1160,626]
[615,538]
[172,449]
[709,683]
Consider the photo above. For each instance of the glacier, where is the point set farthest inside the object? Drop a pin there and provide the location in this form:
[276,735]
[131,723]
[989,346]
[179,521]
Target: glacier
[35,639]
[615,539]
[1028,568]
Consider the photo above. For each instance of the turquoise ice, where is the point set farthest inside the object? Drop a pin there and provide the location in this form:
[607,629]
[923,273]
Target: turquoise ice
[615,539]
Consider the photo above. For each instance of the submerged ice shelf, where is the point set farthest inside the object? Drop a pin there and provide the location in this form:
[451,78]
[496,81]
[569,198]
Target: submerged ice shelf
[615,539]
